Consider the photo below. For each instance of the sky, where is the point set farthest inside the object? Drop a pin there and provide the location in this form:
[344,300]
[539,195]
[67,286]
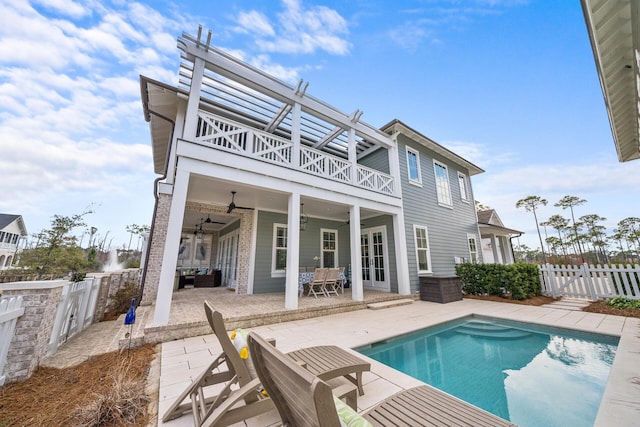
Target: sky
[510,85]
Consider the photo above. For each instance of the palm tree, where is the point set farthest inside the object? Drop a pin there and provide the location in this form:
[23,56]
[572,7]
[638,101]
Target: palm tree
[530,203]
[595,232]
[570,202]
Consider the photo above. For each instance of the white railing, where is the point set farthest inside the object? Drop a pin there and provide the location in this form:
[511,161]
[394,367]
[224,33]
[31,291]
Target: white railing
[75,310]
[589,281]
[10,310]
[224,134]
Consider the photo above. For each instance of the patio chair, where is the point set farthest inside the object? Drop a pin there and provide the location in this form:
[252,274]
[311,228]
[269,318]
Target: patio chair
[331,281]
[226,371]
[303,399]
[316,286]
[238,382]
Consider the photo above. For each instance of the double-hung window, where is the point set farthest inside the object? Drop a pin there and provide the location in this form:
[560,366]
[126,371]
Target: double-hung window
[279,262]
[329,248]
[413,166]
[462,182]
[473,248]
[423,251]
[443,190]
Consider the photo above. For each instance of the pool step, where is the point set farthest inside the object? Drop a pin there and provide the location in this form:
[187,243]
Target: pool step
[488,330]
[389,304]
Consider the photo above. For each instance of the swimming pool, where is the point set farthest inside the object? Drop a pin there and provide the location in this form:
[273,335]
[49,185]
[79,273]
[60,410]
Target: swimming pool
[528,374]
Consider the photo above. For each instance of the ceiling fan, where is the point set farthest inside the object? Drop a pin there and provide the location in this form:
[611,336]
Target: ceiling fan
[349,222]
[210,221]
[233,206]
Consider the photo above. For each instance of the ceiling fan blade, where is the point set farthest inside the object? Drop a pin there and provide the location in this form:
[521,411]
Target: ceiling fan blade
[242,207]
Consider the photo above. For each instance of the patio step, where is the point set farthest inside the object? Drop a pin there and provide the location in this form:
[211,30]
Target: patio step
[389,304]
[572,304]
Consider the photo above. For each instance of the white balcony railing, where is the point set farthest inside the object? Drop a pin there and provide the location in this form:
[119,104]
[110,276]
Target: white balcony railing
[224,134]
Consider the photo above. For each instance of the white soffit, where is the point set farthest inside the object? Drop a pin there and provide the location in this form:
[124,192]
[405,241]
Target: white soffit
[614,30]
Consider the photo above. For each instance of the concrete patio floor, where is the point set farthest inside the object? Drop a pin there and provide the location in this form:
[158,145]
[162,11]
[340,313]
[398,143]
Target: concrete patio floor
[183,359]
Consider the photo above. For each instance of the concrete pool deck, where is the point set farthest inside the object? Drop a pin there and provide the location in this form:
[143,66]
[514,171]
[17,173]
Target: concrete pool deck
[183,359]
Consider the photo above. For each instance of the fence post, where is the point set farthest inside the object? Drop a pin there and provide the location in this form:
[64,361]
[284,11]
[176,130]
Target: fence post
[10,310]
[30,340]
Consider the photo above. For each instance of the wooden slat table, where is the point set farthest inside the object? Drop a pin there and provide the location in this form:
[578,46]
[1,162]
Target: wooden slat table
[330,361]
[428,406]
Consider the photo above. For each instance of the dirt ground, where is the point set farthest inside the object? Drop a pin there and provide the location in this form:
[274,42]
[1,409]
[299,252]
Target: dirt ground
[56,397]
[106,390]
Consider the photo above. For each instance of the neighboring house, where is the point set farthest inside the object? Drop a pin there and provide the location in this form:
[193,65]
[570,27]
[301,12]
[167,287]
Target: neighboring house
[614,30]
[12,229]
[497,247]
[259,180]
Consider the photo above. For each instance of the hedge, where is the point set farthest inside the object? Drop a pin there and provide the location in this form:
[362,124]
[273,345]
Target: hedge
[521,280]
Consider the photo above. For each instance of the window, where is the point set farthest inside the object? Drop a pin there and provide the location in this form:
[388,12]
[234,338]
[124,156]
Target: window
[329,248]
[473,248]
[279,263]
[413,166]
[423,252]
[462,181]
[442,184]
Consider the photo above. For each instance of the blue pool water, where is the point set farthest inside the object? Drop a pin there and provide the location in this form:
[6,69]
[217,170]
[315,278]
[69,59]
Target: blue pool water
[530,375]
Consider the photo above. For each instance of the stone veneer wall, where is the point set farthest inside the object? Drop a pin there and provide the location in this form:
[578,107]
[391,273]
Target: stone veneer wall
[30,341]
[158,239]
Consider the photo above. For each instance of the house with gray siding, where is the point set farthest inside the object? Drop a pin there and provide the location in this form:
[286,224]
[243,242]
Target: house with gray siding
[258,181]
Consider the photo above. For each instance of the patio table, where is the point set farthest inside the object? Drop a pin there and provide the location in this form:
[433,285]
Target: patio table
[307,277]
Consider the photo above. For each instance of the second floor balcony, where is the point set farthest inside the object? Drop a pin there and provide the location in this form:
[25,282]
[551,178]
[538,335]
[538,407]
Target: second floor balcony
[224,134]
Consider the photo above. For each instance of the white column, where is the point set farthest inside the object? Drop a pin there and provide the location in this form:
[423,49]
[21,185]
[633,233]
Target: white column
[293,253]
[295,135]
[357,293]
[394,167]
[494,248]
[353,155]
[402,261]
[191,122]
[170,254]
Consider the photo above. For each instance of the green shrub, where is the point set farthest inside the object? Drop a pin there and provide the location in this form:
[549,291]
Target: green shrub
[624,303]
[521,281]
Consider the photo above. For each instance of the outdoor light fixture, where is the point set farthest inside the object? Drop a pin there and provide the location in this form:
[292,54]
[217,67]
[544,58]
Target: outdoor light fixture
[304,219]
[198,232]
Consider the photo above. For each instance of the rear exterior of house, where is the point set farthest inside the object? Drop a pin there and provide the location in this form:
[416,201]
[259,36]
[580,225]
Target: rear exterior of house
[260,181]
[12,229]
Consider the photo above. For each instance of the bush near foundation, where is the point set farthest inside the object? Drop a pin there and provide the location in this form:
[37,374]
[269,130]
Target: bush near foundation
[517,281]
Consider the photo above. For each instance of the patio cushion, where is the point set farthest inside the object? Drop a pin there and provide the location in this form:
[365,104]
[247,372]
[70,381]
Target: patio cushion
[349,417]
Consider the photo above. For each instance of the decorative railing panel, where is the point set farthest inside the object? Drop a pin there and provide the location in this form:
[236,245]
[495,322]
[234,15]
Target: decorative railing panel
[224,134]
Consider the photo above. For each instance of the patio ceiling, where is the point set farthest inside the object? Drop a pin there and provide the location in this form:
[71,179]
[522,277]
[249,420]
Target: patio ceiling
[212,191]
[614,30]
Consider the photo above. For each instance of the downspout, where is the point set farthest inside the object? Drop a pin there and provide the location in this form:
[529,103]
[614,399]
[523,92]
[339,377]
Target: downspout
[513,254]
[156,183]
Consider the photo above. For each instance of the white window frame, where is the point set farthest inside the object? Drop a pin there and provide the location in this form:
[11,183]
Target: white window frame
[418,249]
[323,250]
[473,255]
[463,183]
[274,272]
[443,187]
[417,181]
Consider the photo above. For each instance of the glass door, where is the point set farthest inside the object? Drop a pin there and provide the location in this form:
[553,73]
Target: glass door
[373,246]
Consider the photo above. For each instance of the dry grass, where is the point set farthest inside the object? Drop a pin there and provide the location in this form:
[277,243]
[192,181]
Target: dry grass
[106,390]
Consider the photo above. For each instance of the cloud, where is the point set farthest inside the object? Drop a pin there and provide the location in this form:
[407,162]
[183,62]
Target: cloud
[71,127]
[300,29]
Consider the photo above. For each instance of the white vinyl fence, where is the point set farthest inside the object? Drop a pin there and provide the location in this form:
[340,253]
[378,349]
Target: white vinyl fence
[75,310]
[591,282]
[10,310]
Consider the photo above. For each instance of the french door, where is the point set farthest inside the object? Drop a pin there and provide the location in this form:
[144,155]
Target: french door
[228,258]
[373,246]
